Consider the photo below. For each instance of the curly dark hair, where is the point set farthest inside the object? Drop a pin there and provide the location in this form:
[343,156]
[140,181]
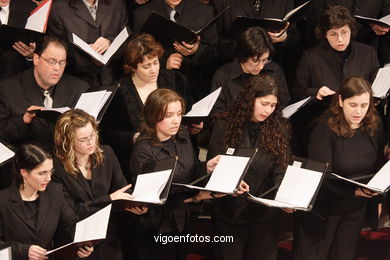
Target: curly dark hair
[334,116]
[275,131]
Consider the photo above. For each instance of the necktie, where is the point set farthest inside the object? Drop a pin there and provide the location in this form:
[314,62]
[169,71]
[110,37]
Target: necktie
[172,15]
[257,6]
[48,102]
[92,10]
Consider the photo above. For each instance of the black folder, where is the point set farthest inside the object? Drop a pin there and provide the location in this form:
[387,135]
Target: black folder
[10,34]
[167,32]
[367,20]
[52,116]
[155,166]
[269,24]
[70,251]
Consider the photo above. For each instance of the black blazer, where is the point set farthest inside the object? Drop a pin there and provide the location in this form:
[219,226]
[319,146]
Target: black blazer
[81,196]
[55,217]
[232,79]
[11,61]
[170,218]
[20,92]
[124,114]
[262,175]
[69,17]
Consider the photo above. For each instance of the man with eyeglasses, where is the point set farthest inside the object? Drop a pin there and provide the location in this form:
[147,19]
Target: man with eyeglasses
[253,51]
[45,85]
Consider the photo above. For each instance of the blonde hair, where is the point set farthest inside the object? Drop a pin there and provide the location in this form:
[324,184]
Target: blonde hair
[65,136]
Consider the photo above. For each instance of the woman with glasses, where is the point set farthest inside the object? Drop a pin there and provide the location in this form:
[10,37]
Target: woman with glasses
[253,52]
[324,67]
[350,138]
[251,122]
[89,173]
[34,210]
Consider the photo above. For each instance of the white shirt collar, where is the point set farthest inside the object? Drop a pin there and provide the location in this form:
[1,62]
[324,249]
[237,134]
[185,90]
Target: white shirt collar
[88,4]
[4,14]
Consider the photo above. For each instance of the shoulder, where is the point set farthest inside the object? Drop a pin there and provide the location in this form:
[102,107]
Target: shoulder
[359,46]
[73,83]
[227,71]
[107,151]
[322,130]
[199,5]
[7,193]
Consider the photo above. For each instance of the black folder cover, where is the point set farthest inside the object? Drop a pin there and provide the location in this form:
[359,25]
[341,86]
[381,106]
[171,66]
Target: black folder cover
[70,251]
[10,34]
[167,32]
[242,23]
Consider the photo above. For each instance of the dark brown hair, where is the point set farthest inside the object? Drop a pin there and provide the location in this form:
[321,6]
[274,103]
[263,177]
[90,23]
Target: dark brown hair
[274,131]
[253,42]
[155,109]
[141,46]
[335,16]
[334,116]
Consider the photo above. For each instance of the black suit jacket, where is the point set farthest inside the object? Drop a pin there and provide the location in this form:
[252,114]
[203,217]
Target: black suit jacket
[11,61]
[20,92]
[55,217]
[81,196]
[69,17]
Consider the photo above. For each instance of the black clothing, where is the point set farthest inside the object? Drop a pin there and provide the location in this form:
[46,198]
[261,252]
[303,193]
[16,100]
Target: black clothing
[344,213]
[18,93]
[69,17]
[173,217]
[194,16]
[123,116]
[11,61]
[233,79]
[55,217]
[234,213]
[82,195]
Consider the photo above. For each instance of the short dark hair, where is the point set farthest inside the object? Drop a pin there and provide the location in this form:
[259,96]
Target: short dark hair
[335,16]
[42,44]
[253,42]
[141,46]
[29,157]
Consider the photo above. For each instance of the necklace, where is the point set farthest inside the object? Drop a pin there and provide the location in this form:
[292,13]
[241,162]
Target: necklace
[85,167]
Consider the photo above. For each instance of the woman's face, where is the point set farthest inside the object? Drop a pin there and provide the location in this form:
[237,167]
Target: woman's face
[147,71]
[85,141]
[263,108]
[355,109]
[254,65]
[38,178]
[170,124]
[339,38]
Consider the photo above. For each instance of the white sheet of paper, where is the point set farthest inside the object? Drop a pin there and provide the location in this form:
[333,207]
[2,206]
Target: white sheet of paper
[291,109]
[149,186]
[293,11]
[5,153]
[227,173]
[203,107]
[6,253]
[381,179]
[92,102]
[274,203]
[37,21]
[94,227]
[57,109]
[355,182]
[381,84]
[114,46]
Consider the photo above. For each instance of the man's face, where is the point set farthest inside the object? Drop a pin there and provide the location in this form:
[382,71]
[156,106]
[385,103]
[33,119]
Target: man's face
[171,3]
[50,65]
[4,3]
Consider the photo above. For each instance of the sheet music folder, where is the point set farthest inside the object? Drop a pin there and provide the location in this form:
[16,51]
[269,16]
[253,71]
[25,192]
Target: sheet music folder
[315,167]
[384,21]
[242,23]
[167,32]
[53,115]
[156,166]
[10,34]
[237,153]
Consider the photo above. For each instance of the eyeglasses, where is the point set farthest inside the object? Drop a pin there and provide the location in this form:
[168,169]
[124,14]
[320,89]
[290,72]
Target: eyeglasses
[86,140]
[45,174]
[256,62]
[336,35]
[52,62]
